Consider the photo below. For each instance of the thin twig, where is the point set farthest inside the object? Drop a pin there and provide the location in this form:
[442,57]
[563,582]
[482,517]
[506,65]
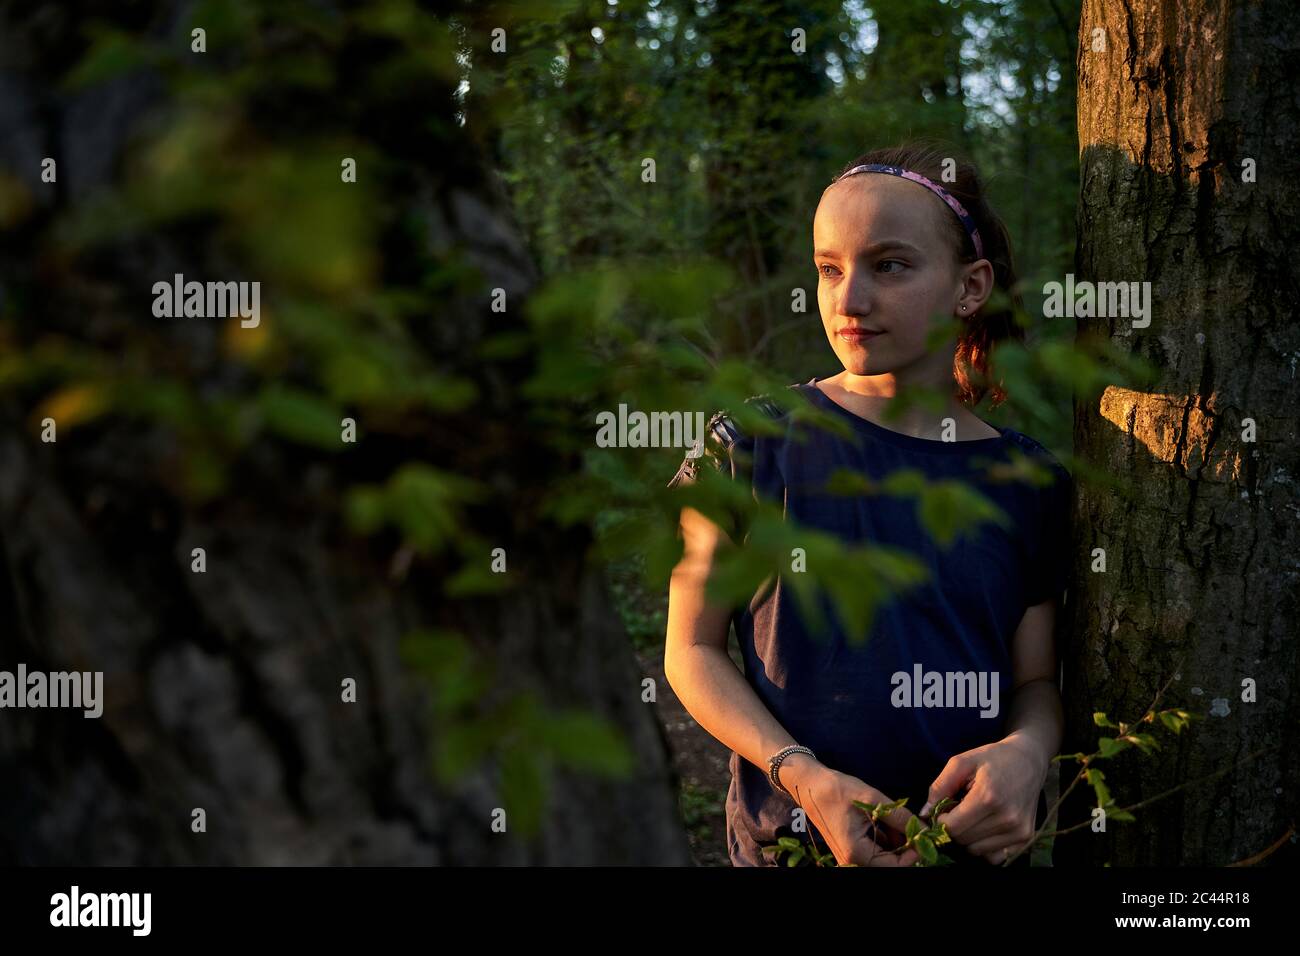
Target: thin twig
[1263,854]
[775,331]
[1181,786]
[1060,800]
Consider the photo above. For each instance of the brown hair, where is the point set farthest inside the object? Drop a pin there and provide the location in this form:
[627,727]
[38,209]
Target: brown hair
[995,321]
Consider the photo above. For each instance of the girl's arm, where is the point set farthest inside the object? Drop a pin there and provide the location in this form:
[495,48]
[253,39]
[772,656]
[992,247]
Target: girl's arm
[1035,715]
[716,694]
[697,665]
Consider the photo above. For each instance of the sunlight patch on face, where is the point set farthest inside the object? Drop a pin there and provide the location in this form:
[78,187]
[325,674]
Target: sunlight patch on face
[863,210]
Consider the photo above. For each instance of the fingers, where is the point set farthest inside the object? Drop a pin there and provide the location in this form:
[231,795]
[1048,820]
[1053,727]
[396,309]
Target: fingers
[998,849]
[896,819]
[978,814]
[882,838]
[842,854]
[982,820]
[866,852]
[997,855]
[986,814]
[956,773]
[886,836]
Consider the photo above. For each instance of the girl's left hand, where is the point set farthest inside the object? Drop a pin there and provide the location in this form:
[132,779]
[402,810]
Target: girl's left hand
[996,816]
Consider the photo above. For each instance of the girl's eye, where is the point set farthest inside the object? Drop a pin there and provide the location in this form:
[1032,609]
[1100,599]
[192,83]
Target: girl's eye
[821,269]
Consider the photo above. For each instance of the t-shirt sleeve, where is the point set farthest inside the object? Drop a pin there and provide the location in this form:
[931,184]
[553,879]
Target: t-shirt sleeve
[1051,548]
[723,447]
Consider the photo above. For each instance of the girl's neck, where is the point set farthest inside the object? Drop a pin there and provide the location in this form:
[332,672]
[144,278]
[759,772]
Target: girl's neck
[873,397]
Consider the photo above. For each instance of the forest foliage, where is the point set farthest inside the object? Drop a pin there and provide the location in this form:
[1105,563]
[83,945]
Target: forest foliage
[674,294]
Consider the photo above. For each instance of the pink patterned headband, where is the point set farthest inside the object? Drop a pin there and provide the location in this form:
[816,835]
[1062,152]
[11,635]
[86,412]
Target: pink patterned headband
[967,222]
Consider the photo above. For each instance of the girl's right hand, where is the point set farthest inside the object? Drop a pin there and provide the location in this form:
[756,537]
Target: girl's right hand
[827,797]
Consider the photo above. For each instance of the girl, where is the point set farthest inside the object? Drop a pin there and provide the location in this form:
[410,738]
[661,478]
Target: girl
[894,246]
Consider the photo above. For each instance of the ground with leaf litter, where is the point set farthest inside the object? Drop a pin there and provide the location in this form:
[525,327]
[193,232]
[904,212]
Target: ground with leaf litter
[700,762]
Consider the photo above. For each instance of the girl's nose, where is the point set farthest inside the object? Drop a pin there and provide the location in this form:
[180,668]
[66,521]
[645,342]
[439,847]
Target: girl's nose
[856,293]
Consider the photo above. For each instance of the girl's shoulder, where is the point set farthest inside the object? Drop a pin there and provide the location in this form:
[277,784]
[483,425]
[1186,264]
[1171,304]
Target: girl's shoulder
[1053,489]
[1037,450]
[724,436]
[724,428]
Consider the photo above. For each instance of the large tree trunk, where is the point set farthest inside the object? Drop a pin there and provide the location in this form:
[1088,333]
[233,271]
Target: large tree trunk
[223,688]
[1201,563]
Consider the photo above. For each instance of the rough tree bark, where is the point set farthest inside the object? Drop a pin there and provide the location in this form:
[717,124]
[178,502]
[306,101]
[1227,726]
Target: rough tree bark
[223,689]
[1177,101]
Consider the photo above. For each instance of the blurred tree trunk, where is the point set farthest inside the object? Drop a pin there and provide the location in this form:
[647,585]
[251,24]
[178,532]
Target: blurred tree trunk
[917,58]
[755,88]
[223,689]
[1189,133]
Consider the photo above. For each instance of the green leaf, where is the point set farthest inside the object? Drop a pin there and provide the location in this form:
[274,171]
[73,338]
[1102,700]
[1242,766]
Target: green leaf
[1109,746]
[302,417]
[1144,742]
[447,662]
[942,806]
[882,810]
[523,787]
[111,53]
[365,509]
[1175,720]
[476,578]
[849,483]
[926,851]
[352,376]
[584,741]
[1081,757]
[1096,779]
[949,508]
[1101,720]
[461,747]
[423,502]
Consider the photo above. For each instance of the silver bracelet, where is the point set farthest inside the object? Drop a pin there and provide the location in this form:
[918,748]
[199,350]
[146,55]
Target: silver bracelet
[774,764]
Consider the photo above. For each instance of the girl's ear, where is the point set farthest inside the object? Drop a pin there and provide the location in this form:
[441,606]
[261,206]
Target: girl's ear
[976,287]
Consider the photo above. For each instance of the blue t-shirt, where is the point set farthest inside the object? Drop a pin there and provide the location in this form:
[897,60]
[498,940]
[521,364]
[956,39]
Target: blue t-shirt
[950,636]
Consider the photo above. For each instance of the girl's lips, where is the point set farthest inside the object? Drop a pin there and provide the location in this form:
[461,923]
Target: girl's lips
[858,335]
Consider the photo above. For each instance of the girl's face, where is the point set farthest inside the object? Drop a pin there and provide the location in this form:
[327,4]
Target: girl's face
[886,263]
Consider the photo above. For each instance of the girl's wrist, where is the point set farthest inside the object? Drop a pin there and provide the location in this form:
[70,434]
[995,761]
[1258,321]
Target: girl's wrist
[1033,745]
[797,769]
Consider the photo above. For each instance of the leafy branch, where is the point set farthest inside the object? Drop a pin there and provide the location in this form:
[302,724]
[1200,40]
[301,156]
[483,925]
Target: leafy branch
[926,839]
